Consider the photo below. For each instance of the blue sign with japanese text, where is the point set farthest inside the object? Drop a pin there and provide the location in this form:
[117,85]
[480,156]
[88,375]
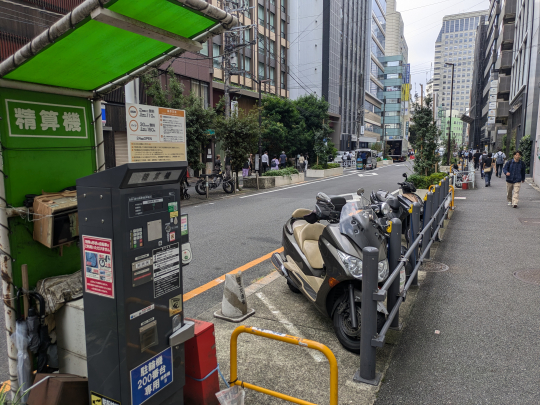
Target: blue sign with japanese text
[151,377]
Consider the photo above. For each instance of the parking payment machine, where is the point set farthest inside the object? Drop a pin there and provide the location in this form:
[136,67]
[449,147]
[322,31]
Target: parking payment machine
[134,241]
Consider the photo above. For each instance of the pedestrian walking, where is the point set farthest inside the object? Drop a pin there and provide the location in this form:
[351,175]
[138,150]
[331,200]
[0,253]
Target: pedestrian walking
[246,167]
[477,159]
[487,166]
[363,156]
[301,162]
[349,158]
[265,162]
[481,161]
[470,154]
[515,175]
[282,160]
[275,164]
[228,165]
[305,164]
[499,157]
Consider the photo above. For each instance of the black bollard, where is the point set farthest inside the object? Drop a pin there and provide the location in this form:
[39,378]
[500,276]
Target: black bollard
[394,254]
[428,212]
[414,235]
[366,374]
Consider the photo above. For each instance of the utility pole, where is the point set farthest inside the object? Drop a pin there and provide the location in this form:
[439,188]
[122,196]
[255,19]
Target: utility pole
[422,94]
[450,118]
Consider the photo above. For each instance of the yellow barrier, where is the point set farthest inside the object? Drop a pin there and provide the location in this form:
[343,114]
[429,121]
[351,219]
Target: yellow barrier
[452,202]
[287,339]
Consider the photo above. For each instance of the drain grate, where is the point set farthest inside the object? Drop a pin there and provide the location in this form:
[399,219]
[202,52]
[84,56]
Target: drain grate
[434,267]
[531,276]
[530,221]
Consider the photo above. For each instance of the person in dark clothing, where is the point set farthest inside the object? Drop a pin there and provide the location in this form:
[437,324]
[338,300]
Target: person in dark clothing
[228,166]
[487,167]
[363,156]
[477,159]
[282,160]
[515,175]
[499,158]
[217,164]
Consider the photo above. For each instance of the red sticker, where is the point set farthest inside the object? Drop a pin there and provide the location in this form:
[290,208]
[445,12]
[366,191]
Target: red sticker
[98,268]
[173,236]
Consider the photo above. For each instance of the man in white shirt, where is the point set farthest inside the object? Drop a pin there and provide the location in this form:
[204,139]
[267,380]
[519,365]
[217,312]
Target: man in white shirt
[264,162]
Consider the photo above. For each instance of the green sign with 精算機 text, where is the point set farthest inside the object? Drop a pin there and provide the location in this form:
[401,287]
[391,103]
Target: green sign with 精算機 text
[45,120]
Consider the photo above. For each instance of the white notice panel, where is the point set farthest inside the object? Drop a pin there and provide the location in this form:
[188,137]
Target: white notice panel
[155,134]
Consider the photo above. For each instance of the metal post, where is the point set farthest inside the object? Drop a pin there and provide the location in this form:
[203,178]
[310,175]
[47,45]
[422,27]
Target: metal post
[206,187]
[428,212]
[437,203]
[366,374]
[416,229]
[394,254]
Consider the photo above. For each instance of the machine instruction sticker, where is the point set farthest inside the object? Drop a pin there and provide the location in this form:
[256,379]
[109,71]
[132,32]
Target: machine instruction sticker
[175,305]
[141,312]
[166,269]
[151,377]
[184,225]
[98,272]
[98,399]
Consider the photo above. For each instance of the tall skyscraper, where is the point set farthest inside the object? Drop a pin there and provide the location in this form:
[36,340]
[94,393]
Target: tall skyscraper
[332,54]
[455,44]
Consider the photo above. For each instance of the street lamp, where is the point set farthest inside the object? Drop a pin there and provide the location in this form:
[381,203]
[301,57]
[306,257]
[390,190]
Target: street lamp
[450,127]
[259,82]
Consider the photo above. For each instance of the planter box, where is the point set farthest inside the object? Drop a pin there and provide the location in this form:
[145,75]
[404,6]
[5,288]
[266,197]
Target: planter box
[272,181]
[324,173]
[387,162]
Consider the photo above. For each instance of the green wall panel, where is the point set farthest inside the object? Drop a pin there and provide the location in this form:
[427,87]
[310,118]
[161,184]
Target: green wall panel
[39,163]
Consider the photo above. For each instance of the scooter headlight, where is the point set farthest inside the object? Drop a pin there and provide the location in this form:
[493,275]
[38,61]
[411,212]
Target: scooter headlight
[352,264]
[383,270]
[385,208]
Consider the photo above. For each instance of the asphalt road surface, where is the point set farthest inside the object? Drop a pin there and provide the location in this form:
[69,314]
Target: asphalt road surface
[229,233]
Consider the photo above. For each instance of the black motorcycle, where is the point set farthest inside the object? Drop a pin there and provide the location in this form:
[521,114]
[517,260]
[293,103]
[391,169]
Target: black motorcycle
[322,259]
[214,181]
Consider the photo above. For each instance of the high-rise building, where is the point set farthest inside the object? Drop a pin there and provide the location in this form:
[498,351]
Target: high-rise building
[330,56]
[396,78]
[455,44]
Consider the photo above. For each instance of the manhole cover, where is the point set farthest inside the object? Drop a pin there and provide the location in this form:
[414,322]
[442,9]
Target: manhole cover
[529,276]
[434,266]
[530,221]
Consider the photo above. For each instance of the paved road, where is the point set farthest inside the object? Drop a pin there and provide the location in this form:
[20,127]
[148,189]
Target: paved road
[229,233]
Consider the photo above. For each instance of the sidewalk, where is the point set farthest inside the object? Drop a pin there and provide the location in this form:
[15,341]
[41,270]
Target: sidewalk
[487,350]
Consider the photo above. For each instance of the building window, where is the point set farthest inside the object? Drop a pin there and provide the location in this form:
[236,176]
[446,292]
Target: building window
[271,18]
[204,50]
[261,71]
[247,63]
[261,15]
[283,54]
[272,73]
[283,34]
[200,89]
[283,84]
[216,60]
[262,47]
[283,9]
[272,46]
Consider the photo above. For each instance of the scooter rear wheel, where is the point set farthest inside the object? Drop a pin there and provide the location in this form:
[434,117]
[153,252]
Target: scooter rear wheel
[293,288]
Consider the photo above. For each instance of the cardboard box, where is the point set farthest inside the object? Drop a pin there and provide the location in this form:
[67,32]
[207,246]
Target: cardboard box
[56,220]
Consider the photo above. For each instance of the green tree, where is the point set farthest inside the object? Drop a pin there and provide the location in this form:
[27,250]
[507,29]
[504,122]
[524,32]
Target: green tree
[239,135]
[378,146]
[198,119]
[525,145]
[283,127]
[427,135]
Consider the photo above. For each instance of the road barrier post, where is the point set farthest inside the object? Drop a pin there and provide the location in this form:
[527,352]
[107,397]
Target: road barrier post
[437,203]
[394,255]
[428,213]
[366,373]
[414,234]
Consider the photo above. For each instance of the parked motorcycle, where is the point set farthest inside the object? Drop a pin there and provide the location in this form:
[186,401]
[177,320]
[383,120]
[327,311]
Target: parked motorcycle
[322,259]
[214,181]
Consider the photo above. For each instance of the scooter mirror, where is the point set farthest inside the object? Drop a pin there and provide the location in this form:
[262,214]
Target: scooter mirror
[322,197]
[404,175]
[360,191]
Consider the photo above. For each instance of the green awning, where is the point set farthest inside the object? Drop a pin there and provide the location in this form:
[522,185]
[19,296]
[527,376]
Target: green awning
[96,47]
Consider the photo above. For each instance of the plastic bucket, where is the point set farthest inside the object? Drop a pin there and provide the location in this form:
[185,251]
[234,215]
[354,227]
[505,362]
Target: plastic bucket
[464,186]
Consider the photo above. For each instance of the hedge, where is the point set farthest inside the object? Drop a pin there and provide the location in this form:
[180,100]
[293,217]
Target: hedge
[282,172]
[426,181]
[328,166]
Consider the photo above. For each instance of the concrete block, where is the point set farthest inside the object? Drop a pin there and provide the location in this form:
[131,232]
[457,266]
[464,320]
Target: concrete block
[325,173]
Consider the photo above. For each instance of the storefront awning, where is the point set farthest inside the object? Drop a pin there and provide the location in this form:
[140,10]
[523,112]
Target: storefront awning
[103,44]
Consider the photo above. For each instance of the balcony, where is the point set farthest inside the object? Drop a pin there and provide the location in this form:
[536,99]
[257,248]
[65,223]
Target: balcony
[502,109]
[504,84]
[506,59]
[508,33]
[509,10]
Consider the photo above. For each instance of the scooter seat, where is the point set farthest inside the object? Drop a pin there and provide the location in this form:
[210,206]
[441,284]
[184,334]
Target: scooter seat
[308,240]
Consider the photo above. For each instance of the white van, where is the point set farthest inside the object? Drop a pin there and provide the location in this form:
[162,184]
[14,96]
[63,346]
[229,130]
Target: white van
[371,158]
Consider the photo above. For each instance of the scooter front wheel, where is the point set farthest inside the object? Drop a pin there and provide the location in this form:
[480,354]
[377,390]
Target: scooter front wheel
[348,336]
[293,288]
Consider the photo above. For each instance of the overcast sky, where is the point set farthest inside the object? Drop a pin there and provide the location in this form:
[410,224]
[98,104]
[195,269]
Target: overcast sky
[423,21]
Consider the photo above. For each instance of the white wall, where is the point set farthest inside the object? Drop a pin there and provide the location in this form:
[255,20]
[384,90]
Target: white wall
[305,34]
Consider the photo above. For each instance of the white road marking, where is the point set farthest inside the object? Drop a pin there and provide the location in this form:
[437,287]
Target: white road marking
[298,185]
[317,356]
[460,198]
[395,192]
[368,175]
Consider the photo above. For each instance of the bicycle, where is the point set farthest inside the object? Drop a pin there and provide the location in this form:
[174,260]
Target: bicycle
[214,181]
